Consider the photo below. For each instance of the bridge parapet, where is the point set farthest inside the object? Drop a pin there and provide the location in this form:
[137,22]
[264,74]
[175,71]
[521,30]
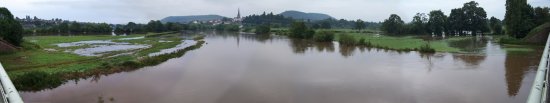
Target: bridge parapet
[539,90]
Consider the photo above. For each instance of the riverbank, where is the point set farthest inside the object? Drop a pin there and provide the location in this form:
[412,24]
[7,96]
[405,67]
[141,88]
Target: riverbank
[60,58]
[371,38]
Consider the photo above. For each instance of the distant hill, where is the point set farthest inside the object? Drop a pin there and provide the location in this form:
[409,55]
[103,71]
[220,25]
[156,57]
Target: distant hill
[305,16]
[187,19]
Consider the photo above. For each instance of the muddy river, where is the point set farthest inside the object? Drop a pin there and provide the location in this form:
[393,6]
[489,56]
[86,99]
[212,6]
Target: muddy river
[246,68]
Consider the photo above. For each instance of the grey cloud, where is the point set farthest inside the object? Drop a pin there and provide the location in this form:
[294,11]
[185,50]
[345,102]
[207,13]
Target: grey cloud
[122,11]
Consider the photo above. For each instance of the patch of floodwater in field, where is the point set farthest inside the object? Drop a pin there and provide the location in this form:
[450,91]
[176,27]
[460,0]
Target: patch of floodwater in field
[98,50]
[164,41]
[91,42]
[100,47]
[183,45]
[133,38]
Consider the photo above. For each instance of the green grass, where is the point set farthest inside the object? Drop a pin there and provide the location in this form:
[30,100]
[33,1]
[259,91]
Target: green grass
[405,42]
[33,58]
[520,48]
[37,58]
[34,79]
[387,42]
[49,41]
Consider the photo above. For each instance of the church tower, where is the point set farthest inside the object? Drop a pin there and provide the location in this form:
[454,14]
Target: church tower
[239,13]
[238,19]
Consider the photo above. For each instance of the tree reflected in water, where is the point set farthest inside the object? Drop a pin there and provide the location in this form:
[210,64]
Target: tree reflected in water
[515,69]
[474,45]
[299,46]
[471,60]
[347,50]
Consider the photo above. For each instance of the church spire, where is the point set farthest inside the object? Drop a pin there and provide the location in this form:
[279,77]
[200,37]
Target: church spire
[239,13]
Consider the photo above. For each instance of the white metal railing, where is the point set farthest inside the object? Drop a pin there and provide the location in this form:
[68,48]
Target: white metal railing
[9,93]
[540,84]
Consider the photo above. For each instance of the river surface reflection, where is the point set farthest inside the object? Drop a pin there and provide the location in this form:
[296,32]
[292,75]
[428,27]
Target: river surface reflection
[245,68]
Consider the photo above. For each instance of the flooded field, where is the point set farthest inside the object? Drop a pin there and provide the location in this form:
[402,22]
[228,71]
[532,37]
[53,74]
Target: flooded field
[232,68]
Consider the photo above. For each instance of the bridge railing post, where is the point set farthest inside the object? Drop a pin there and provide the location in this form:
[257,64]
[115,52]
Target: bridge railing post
[9,90]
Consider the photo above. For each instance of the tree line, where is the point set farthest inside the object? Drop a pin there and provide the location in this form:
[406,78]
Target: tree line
[74,27]
[470,19]
[279,21]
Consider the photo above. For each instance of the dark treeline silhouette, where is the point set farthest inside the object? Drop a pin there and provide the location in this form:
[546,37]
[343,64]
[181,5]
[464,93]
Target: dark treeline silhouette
[279,21]
[36,25]
[270,19]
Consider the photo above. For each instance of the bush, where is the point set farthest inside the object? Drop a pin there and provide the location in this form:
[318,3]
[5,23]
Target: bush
[297,30]
[233,28]
[347,39]
[37,80]
[131,64]
[263,29]
[323,36]
[426,49]
[309,34]
[227,27]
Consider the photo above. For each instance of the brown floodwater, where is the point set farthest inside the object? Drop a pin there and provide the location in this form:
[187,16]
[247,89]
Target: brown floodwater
[246,68]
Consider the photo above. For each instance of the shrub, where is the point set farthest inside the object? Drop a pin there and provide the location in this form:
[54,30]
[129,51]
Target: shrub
[347,39]
[297,30]
[37,80]
[323,36]
[131,64]
[263,29]
[309,34]
[426,49]
[362,41]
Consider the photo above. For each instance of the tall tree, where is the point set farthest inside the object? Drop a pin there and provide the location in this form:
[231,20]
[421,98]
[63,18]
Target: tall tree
[130,27]
[475,17]
[155,26]
[75,27]
[542,15]
[518,18]
[297,30]
[393,25]
[10,30]
[495,25]
[456,21]
[63,27]
[437,22]
[418,24]
[359,25]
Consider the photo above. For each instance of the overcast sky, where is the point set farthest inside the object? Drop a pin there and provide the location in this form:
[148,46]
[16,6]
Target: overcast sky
[123,11]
